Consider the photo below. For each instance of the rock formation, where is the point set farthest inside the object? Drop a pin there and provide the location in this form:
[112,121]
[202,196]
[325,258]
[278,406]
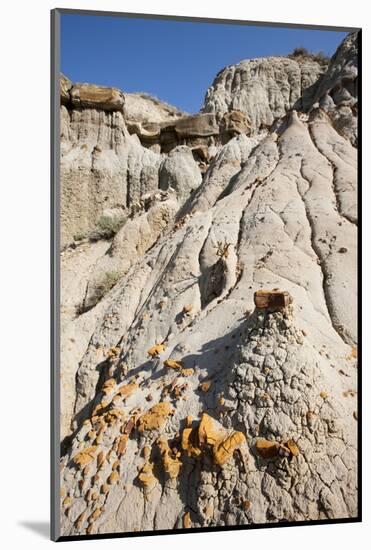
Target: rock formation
[191,398]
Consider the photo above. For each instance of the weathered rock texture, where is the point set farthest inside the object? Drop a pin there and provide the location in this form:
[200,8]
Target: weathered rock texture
[184,405]
[338,91]
[264,89]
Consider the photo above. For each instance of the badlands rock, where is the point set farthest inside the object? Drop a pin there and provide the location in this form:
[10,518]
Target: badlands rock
[144,108]
[96,97]
[264,89]
[164,446]
[179,172]
[65,87]
[337,93]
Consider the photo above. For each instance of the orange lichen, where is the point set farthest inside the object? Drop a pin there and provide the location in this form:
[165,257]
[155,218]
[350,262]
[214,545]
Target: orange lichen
[208,431]
[155,350]
[109,386]
[188,421]
[92,434]
[171,364]
[324,394]
[80,521]
[171,464]
[100,459]
[86,456]
[190,443]
[353,354]
[146,452]
[266,448]
[113,352]
[155,418]
[205,386]
[146,477]
[113,477]
[121,444]
[187,520]
[223,451]
[113,416]
[187,372]
[292,447]
[95,478]
[127,389]
[95,515]
[246,505]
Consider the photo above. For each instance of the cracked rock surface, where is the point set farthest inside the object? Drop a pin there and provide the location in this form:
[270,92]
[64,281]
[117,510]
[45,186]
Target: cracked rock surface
[184,405]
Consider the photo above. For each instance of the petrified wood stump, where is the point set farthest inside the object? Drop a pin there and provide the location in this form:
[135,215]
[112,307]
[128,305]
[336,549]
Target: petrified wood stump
[272,299]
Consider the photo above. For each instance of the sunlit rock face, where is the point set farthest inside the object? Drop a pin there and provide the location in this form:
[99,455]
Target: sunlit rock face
[190,398]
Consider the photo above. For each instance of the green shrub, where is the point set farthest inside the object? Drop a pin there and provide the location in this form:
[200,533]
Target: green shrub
[80,236]
[106,227]
[302,52]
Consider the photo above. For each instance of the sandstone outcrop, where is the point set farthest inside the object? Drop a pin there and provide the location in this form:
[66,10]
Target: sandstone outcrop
[213,381]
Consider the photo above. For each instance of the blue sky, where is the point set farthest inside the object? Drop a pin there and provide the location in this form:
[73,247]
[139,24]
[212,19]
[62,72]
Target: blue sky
[173,60]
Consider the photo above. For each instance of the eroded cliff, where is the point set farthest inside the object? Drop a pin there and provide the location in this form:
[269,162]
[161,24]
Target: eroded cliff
[184,404]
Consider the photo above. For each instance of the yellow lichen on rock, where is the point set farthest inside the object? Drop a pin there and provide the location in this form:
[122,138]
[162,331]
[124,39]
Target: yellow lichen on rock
[155,350]
[67,502]
[155,418]
[223,451]
[85,456]
[171,364]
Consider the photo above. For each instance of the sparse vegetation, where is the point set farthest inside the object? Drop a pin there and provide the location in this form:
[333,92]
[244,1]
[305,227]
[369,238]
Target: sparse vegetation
[80,236]
[106,228]
[301,52]
[109,280]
